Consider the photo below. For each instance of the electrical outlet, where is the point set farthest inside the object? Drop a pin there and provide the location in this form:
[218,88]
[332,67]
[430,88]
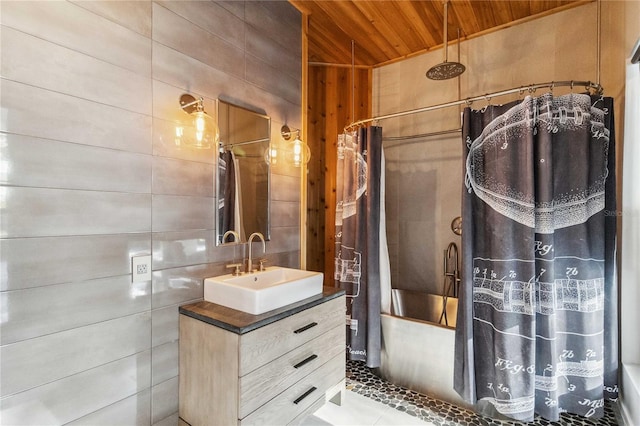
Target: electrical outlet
[140,268]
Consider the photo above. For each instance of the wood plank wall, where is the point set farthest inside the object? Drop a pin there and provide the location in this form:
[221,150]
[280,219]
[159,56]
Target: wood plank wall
[329,111]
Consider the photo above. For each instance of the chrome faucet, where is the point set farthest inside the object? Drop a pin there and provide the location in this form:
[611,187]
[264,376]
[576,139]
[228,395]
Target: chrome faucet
[236,237]
[249,267]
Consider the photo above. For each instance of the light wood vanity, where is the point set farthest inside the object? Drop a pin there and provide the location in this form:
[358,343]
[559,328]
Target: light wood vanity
[269,369]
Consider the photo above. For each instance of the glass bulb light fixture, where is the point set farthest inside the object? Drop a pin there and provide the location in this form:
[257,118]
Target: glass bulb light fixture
[203,130]
[300,152]
[297,152]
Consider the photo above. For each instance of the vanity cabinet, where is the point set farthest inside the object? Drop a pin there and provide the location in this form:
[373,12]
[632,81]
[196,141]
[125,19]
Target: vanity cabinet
[269,369]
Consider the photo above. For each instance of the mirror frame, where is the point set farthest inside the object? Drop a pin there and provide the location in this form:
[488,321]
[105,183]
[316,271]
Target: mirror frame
[258,114]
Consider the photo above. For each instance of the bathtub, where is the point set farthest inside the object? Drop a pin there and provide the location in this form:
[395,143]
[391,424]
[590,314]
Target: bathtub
[417,352]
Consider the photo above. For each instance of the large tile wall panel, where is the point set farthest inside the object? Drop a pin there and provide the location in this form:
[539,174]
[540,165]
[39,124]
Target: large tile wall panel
[40,63]
[174,213]
[212,18]
[284,239]
[164,362]
[178,177]
[171,420]
[270,51]
[285,188]
[34,212]
[164,400]
[179,285]
[285,213]
[272,79]
[71,119]
[196,41]
[34,262]
[169,67]
[72,351]
[174,249]
[164,325]
[75,396]
[235,7]
[134,410]
[71,26]
[50,164]
[132,14]
[278,22]
[43,310]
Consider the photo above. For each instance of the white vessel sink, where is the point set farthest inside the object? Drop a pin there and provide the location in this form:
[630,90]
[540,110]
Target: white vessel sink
[263,291]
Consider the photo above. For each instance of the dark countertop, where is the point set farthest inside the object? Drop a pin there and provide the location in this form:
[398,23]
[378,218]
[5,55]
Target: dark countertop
[241,322]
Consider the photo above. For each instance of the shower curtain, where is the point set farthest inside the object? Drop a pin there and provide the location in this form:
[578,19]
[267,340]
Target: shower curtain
[537,324]
[361,256]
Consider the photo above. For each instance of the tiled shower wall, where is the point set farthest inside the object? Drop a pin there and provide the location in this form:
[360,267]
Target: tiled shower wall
[91,176]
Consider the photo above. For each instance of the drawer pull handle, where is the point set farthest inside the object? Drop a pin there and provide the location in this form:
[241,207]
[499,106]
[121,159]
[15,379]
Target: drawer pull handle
[304,395]
[304,361]
[306,327]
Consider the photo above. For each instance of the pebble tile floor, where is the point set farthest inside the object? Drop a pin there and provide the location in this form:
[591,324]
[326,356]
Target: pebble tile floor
[361,380]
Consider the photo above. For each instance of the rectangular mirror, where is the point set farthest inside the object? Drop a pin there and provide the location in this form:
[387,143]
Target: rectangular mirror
[244,179]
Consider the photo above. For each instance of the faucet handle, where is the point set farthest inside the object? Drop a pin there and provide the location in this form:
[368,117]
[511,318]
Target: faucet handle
[261,263]
[236,268]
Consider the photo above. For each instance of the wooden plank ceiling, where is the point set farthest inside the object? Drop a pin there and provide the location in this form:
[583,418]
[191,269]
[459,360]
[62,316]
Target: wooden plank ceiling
[389,30]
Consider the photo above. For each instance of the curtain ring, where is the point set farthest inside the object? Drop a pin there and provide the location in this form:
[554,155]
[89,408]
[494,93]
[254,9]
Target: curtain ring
[488,99]
[468,102]
[552,86]
[572,85]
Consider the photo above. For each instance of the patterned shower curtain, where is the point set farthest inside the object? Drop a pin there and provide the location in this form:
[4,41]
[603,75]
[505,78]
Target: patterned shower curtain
[359,248]
[537,325]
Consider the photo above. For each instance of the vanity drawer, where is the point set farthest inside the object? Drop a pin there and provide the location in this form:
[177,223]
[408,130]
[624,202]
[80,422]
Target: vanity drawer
[267,343]
[289,404]
[261,385]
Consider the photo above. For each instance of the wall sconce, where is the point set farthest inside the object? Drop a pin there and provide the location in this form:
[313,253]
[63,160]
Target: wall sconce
[204,130]
[296,152]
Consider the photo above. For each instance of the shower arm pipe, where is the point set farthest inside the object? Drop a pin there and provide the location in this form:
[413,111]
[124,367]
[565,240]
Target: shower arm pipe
[599,41]
[446,36]
[589,85]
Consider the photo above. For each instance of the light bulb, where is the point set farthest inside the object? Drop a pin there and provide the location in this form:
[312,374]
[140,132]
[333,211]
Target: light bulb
[298,152]
[179,133]
[200,125]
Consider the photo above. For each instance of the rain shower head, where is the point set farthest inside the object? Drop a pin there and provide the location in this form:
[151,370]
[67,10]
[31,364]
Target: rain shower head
[446,70]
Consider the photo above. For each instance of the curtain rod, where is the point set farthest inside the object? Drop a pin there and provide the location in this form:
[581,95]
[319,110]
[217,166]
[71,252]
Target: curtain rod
[522,89]
[421,135]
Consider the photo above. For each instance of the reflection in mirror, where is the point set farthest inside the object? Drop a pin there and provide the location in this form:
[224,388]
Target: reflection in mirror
[243,173]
